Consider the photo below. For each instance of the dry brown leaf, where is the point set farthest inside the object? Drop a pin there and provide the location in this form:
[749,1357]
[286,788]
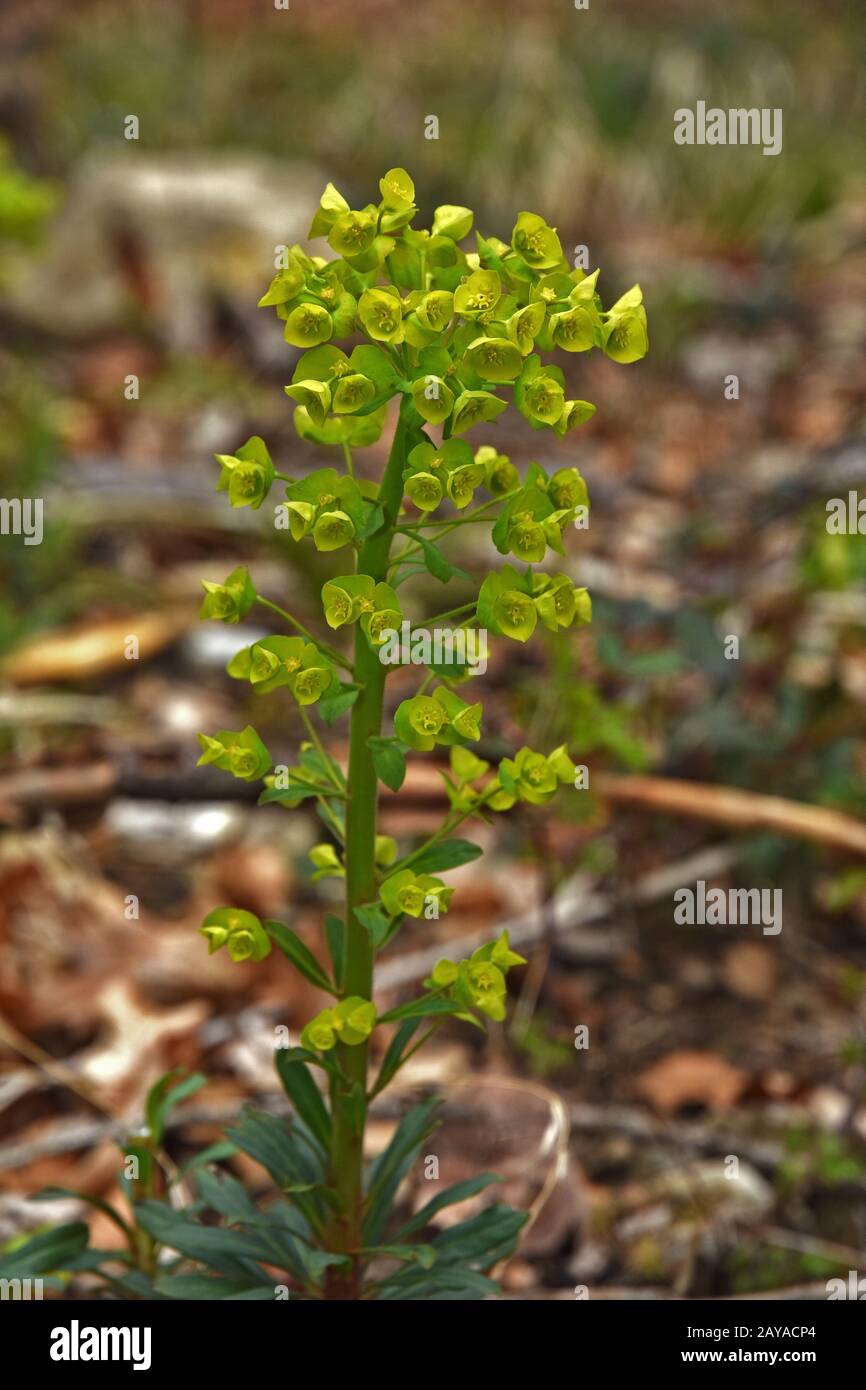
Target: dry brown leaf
[78,653]
[692,1078]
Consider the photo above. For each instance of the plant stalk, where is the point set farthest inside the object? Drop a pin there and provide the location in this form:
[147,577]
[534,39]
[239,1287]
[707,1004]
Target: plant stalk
[348,1106]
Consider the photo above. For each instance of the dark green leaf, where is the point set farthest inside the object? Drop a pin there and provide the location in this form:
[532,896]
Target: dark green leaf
[48,1194]
[448,1284]
[372,522]
[448,854]
[164,1096]
[204,1288]
[290,1154]
[335,935]
[422,1008]
[225,1195]
[46,1252]
[93,1260]
[484,1239]
[214,1153]
[396,1048]
[458,1193]
[437,565]
[389,760]
[304,1094]
[373,917]
[296,791]
[300,955]
[330,707]
[231,1252]
[424,1255]
[389,1169]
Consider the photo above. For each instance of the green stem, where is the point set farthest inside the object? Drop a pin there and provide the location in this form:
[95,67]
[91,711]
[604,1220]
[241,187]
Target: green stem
[331,768]
[444,526]
[451,613]
[347,1096]
[305,632]
[451,822]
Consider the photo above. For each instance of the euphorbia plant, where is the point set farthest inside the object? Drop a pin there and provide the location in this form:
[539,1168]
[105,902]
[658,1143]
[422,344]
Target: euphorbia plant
[449,335]
[444,334]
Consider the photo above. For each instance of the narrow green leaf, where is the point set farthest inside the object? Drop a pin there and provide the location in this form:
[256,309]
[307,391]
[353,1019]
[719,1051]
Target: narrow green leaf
[46,1252]
[214,1153]
[389,1169]
[225,1195]
[424,1255]
[394,1054]
[335,935]
[168,1092]
[448,854]
[300,955]
[437,1285]
[457,1193]
[49,1194]
[205,1288]
[484,1239]
[305,1096]
[421,1008]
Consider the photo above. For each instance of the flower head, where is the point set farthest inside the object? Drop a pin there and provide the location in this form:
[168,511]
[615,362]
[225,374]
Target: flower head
[240,932]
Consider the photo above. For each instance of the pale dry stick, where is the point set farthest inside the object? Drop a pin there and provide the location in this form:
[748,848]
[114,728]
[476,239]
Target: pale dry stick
[744,810]
[43,1061]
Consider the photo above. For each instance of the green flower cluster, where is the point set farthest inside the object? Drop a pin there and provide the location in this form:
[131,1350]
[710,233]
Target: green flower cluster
[445,325]
[447,471]
[230,601]
[356,596]
[479,982]
[290,662]
[329,506]
[510,603]
[407,893]
[240,932]
[535,516]
[242,754]
[440,718]
[350,1022]
[528,776]
[247,475]
[532,777]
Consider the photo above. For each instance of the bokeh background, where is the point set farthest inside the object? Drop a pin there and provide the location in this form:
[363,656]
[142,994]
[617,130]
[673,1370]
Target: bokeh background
[145,258]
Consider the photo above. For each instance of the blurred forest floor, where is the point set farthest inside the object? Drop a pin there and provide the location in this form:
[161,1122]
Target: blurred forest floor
[708,520]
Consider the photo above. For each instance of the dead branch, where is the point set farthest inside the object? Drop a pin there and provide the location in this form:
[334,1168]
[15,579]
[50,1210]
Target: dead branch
[742,809]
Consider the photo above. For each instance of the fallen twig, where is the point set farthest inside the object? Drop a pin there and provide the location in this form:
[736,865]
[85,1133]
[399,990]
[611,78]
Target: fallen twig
[730,806]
